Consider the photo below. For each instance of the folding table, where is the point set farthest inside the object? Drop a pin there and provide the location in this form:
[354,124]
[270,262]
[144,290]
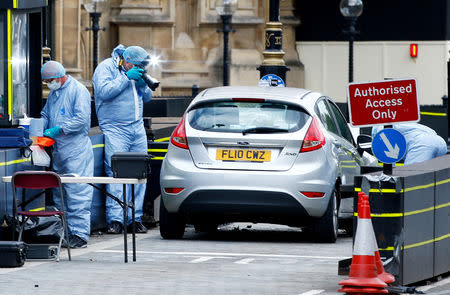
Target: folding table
[123,203]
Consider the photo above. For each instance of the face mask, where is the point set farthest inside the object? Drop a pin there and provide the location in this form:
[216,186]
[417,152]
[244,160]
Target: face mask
[54,85]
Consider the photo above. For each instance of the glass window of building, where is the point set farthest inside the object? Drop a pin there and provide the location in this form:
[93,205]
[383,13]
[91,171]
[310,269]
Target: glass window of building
[2,68]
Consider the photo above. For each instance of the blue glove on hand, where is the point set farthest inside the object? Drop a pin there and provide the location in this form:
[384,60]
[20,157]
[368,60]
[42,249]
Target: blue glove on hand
[52,132]
[135,73]
[140,82]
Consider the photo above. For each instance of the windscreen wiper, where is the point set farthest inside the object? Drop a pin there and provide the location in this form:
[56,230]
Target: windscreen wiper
[264,130]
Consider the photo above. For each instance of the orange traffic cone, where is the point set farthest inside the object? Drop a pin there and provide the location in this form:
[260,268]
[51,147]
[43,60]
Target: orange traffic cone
[363,278]
[382,274]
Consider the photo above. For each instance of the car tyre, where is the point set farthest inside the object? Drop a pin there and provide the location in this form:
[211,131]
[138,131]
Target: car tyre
[171,225]
[326,228]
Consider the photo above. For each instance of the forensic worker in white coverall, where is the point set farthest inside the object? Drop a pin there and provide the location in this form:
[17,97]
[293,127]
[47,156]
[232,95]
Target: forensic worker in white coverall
[67,119]
[120,94]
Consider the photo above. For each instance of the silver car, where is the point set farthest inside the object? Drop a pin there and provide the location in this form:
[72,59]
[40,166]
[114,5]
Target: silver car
[257,154]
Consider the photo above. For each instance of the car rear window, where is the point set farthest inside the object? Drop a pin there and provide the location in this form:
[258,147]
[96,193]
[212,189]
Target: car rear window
[236,116]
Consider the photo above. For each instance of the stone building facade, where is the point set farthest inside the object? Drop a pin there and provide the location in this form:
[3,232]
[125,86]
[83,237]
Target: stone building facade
[183,33]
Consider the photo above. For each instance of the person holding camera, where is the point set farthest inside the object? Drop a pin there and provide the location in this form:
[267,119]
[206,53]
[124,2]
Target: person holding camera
[120,92]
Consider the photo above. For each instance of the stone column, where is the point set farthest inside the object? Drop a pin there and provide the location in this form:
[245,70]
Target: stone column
[67,35]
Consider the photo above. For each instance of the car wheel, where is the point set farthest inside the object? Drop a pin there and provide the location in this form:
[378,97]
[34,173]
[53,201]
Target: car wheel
[326,228]
[171,225]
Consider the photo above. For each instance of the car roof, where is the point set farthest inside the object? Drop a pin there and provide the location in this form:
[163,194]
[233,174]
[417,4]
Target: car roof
[285,93]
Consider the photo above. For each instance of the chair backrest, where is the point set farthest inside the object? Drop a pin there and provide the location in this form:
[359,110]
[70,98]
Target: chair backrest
[36,179]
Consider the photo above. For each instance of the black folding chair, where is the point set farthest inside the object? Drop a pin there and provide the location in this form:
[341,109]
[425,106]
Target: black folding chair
[39,180]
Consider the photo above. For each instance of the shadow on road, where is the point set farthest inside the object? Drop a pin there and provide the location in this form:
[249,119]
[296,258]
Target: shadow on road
[248,232]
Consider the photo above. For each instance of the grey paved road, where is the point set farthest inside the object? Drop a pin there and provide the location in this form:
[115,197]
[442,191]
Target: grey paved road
[263,259]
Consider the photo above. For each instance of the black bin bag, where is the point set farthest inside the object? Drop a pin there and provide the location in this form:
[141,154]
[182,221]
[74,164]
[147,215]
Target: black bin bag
[43,230]
[37,230]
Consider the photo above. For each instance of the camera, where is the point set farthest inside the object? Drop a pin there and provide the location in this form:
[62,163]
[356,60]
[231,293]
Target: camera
[151,82]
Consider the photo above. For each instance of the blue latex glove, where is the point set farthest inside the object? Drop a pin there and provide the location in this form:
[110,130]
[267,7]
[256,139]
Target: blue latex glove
[135,73]
[52,132]
[140,82]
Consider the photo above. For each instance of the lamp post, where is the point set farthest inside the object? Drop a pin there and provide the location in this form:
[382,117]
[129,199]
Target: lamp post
[351,10]
[95,9]
[226,8]
[273,54]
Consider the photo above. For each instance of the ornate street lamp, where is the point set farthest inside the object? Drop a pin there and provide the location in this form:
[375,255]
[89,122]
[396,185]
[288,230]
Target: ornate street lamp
[95,9]
[351,10]
[273,62]
[226,8]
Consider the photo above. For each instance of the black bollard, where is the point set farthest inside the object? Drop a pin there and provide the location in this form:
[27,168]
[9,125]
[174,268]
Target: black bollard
[194,90]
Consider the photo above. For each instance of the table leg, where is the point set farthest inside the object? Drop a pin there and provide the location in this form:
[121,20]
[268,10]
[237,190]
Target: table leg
[133,215]
[125,220]
[124,206]
[15,217]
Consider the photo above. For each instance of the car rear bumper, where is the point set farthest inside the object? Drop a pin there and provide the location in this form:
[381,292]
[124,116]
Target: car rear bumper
[243,205]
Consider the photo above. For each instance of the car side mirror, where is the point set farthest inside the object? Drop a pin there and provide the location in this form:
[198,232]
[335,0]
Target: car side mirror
[364,143]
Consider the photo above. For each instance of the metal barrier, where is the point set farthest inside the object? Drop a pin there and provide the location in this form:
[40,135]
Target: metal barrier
[410,216]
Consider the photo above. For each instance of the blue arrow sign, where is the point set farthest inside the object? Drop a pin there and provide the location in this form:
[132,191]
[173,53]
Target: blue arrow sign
[271,80]
[389,146]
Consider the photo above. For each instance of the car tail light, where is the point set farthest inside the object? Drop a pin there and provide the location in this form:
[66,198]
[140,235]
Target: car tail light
[313,195]
[173,190]
[314,138]
[178,137]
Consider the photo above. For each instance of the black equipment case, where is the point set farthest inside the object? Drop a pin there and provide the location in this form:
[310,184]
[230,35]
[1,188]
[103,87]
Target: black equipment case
[130,165]
[41,251]
[12,253]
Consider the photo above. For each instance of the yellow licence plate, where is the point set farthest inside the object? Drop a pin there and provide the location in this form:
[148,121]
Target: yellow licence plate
[242,155]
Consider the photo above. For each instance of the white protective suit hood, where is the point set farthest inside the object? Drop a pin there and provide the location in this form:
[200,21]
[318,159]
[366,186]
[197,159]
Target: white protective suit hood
[117,53]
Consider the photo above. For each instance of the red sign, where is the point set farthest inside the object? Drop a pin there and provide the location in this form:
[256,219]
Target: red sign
[383,102]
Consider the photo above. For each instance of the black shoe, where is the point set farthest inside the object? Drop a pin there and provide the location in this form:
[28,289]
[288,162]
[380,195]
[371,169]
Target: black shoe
[115,228]
[77,242]
[140,228]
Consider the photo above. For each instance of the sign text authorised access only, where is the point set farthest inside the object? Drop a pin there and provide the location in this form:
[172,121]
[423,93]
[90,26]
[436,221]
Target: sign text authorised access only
[383,102]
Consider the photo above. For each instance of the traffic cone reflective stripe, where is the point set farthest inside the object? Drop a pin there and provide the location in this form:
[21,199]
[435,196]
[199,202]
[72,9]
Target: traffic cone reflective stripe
[363,239]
